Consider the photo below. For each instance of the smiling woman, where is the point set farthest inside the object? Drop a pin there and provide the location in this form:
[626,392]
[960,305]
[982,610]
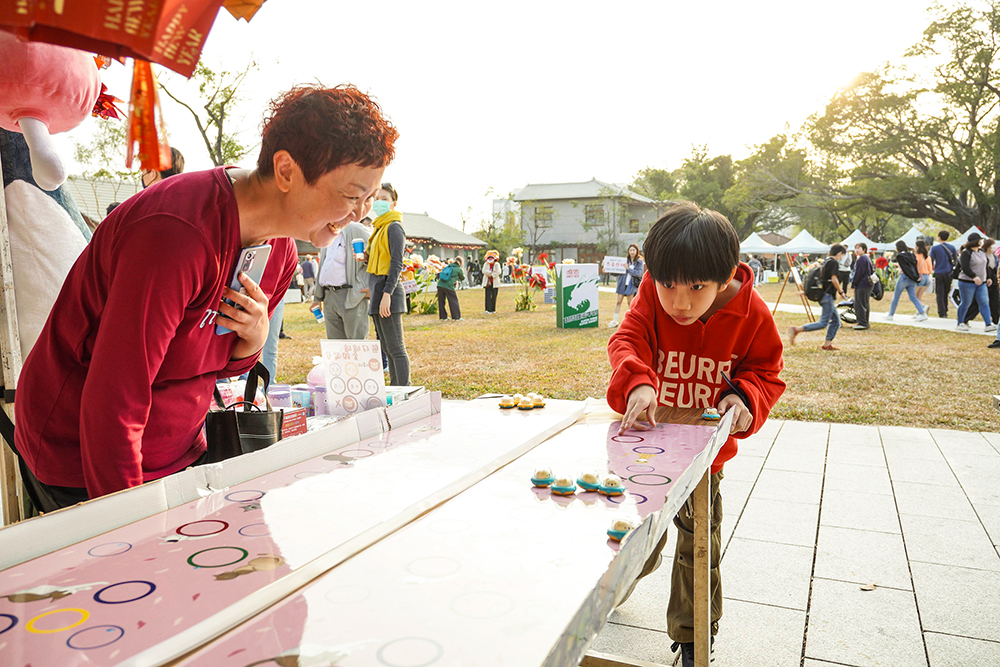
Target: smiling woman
[133,346]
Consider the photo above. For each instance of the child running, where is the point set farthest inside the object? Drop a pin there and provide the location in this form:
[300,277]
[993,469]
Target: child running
[695,321]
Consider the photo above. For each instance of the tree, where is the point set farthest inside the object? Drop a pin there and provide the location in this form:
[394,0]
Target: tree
[103,158]
[219,94]
[501,231]
[920,139]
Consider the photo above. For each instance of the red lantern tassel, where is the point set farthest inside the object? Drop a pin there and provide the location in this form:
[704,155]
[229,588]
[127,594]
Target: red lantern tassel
[145,123]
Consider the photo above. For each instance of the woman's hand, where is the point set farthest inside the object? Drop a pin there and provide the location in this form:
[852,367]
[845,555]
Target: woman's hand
[742,419]
[250,323]
[641,398]
[978,280]
[384,306]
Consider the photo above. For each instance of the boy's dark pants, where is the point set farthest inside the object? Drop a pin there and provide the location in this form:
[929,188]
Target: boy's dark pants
[452,300]
[680,608]
[862,304]
[942,289]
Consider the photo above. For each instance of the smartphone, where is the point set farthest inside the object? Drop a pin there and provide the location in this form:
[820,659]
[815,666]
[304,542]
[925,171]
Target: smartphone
[252,261]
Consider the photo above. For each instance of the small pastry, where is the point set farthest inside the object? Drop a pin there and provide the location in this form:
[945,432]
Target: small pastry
[563,486]
[507,402]
[612,486]
[711,414]
[619,529]
[517,398]
[525,403]
[538,401]
[542,477]
[589,481]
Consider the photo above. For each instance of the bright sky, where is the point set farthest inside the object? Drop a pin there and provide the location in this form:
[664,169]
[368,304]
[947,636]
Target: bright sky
[491,96]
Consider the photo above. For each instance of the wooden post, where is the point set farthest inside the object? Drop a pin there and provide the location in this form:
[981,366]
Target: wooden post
[10,358]
[702,501]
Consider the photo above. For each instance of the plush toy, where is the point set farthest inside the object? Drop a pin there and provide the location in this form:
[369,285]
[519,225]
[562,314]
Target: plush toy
[47,234]
[45,89]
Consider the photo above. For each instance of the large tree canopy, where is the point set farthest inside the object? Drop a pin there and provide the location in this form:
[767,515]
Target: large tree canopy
[920,139]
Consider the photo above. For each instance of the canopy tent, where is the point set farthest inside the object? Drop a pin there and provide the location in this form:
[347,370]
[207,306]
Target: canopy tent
[755,245]
[803,242]
[856,237]
[960,241]
[909,238]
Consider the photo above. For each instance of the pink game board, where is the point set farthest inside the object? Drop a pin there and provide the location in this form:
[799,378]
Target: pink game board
[503,574]
[186,574]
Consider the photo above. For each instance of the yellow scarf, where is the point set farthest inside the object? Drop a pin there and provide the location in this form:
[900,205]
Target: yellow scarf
[378,244]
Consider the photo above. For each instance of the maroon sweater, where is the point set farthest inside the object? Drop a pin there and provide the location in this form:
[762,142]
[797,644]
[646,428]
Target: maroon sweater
[115,391]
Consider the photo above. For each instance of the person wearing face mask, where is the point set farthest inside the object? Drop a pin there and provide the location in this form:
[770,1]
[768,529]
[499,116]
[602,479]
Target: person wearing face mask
[385,266]
[176,167]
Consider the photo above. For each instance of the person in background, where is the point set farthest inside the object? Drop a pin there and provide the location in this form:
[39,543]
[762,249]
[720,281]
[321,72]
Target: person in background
[757,269]
[972,283]
[176,167]
[925,267]
[628,282]
[385,267]
[906,282]
[308,278]
[132,354]
[845,268]
[991,285]
[829,320]
[862,284]
[342,286]
[491,279]
[112,206]
[450,276]
[944,257]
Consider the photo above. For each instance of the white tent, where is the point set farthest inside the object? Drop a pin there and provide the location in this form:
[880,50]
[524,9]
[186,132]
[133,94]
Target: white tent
[856,237]
[755,245]
[803,242]
[910,238]
[960,241]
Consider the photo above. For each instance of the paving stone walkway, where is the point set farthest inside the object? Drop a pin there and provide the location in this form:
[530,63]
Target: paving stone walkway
[815,511]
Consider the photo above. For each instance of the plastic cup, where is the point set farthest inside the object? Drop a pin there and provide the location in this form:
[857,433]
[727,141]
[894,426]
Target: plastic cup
[359,248]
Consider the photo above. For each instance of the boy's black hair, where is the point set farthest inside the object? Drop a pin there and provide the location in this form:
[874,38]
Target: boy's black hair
[943,235]
[836,249]
[690,244]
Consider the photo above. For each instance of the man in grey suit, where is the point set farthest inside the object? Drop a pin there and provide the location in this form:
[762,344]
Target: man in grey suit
[342,286]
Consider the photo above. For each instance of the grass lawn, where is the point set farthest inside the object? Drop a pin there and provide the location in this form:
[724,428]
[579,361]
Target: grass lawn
[889,375]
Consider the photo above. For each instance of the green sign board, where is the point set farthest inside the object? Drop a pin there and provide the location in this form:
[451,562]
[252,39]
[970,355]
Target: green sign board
[576,296]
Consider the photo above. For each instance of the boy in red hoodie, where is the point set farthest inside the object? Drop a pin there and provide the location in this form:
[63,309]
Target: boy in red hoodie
[695,321]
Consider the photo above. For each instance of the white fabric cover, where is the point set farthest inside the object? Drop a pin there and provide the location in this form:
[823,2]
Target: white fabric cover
[44,244]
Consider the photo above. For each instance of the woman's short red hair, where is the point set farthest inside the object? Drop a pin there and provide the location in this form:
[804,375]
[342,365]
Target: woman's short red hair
[325,128]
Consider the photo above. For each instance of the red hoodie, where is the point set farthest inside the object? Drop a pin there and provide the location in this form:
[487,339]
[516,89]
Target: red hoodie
[115,391]
[685,363]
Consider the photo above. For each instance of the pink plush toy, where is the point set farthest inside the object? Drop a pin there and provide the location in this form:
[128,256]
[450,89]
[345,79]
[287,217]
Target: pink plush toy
[45,89]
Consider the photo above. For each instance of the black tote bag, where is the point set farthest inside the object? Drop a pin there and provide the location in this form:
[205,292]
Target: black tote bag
[231,433]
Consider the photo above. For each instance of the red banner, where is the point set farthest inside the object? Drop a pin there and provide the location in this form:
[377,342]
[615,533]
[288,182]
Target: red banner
[168,32]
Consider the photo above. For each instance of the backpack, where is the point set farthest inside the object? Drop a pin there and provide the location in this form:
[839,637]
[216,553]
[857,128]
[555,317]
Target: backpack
[814,287]
[445,274]
[878,290]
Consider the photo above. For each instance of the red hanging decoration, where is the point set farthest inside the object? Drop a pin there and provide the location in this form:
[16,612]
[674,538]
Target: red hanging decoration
[145,125]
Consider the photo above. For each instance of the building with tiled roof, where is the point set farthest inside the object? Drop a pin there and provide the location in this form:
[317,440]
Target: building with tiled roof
[582,221]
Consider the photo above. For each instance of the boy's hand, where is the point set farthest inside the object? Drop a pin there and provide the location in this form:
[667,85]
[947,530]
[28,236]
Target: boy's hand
[642,398]
[742,419]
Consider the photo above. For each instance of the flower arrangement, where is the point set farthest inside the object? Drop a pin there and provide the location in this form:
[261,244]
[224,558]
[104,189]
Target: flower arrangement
[528,280]
[422,302]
